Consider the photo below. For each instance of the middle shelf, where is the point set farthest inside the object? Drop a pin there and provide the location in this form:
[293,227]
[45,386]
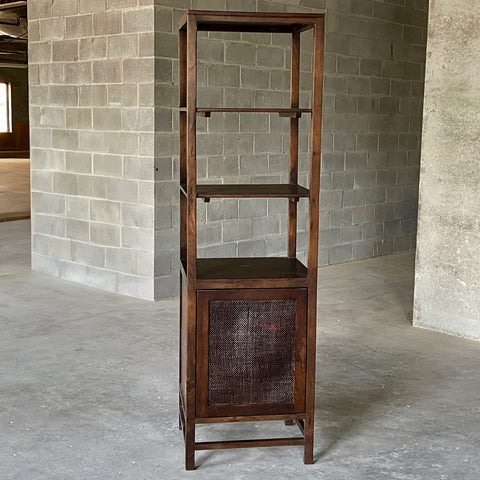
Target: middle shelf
[269,190]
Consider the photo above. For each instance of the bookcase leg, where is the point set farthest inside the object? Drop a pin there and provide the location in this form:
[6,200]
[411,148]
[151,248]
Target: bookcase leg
[189,447]
[308,453]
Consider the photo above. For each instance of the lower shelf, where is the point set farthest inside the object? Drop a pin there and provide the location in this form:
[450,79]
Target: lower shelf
[251,272]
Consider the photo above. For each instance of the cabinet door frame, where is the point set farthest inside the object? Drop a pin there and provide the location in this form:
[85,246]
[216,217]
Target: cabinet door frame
[203,409]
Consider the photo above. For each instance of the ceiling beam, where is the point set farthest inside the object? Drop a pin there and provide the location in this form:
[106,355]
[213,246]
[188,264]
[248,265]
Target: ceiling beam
[9,6]
[13,65]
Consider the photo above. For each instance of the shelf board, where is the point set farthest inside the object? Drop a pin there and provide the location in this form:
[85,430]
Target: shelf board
[282,112]
[249,268]
[252,191]
[250,22]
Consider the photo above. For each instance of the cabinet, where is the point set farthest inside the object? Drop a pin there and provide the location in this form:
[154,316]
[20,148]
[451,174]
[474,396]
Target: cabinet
[248,325]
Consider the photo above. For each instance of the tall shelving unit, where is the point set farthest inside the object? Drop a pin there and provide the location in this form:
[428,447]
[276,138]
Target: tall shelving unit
[248,325]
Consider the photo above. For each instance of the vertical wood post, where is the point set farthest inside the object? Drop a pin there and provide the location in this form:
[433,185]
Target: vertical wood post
[293,160]
[315,161]
[191,77]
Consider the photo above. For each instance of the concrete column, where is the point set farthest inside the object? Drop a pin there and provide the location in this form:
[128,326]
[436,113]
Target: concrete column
[92,142]
[447,284]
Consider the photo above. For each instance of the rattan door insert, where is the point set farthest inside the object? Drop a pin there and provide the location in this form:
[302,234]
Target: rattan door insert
[251,351]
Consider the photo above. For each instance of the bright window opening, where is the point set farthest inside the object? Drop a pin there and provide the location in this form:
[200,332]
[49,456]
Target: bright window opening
[5,110]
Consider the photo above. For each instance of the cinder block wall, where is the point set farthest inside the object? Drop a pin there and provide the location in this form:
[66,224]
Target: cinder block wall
[447,277]
[374,72]
[92,142]
[104,132]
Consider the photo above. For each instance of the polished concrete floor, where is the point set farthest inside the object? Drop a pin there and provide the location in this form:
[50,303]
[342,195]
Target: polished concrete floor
[14,188]
[88,385]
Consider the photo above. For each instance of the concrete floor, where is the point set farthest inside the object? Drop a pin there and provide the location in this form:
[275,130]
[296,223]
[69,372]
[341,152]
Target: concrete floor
[88,385]
[14,189]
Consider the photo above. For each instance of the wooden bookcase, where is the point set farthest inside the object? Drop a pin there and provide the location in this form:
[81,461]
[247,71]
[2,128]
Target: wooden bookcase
[248,325]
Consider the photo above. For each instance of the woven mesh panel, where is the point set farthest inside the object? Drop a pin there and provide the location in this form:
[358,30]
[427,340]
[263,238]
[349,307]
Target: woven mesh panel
[251,352]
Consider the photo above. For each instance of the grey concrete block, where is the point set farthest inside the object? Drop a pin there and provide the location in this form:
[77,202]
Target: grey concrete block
[77,207]
[225,209]
[209,234]
[137,216]
[105,211]
[254,78]
[166,45]
[92,95]
[345,104]
[92,48]
[78,26]
[279,80]
[261,227]
[89,6]
[65,51]
[78,118]
[105,234]
[270,57]
[252,248]
[107,71]
[105,119]
[138,70]
[87,254]
[328,238]
[341,253]
[224,75]
[366,180]
[348,65]
[349,234]
[363,215]
[122,190]
[222,166]
[343,180]
[249,208]
[65,139]
[48,203]
[382,247]
[41,181]
[140,168]
[62,8]
[236,97]
[253,165]
[362,250]
[121,260]
[63,95]
[240,53]
[122,46]
[51,117]
[146,44]
[51,29]
[122,95]
[77,230]
[48,225]
[235,144]
[78,73]
[107,23]
[268,143]
[78,162]
[340,218]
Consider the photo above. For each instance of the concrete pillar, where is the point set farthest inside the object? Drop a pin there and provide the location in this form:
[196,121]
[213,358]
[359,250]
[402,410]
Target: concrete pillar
[447,282]
[92,142]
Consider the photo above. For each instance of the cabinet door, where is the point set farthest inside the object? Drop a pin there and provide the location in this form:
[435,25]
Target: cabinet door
[251,348]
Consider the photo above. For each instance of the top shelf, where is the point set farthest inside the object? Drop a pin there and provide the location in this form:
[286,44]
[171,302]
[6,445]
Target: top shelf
[265,22]
[282,112]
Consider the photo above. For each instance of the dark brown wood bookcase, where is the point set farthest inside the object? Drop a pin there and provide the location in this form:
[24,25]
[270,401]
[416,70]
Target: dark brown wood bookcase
[248,325]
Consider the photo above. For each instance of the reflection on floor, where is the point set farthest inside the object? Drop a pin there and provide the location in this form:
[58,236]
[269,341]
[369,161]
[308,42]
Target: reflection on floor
[14,189]
[88,384]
